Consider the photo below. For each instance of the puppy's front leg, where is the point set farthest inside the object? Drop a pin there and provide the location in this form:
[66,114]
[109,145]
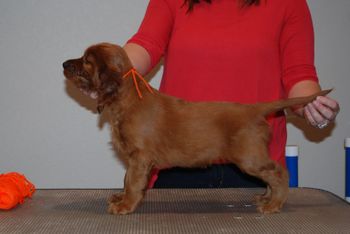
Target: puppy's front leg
[135,184]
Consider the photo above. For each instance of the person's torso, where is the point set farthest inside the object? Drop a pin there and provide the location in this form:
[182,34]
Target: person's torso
[221,52]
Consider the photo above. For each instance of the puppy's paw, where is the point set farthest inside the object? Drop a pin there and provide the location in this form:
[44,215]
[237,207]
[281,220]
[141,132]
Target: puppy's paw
[269,208]
[115,198]
[120,208]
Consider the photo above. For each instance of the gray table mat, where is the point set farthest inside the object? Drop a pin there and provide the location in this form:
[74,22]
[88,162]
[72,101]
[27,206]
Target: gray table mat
[177,211]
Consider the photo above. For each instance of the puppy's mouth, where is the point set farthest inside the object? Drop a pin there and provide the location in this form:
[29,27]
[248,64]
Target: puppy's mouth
[82,83]
[91,94]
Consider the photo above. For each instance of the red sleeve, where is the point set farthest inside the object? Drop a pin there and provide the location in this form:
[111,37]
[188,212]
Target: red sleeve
[155,29]
[297,45]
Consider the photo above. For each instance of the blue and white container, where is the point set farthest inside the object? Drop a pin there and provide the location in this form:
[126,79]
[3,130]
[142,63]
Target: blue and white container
[347,169]
[292,152]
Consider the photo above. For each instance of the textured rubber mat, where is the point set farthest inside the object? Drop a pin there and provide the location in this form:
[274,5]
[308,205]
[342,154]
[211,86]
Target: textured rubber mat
[177,211]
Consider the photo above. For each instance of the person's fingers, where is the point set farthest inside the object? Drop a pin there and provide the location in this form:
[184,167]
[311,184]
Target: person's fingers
[316,115]
[328,107]
[308,116]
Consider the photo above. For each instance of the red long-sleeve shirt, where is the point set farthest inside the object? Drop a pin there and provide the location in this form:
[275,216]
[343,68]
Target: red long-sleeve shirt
[221,52]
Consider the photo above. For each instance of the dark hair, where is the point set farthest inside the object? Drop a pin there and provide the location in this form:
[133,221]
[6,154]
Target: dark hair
[243,3]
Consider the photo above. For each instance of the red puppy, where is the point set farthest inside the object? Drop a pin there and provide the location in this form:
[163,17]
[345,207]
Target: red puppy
[150,129]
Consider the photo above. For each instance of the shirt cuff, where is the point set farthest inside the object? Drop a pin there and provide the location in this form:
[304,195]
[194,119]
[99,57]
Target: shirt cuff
[295,74]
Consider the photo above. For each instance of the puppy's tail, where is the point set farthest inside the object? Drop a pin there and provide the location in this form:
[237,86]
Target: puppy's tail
[271,107]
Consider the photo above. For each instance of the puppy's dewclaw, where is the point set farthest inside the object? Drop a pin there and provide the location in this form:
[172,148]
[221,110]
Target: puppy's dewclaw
[158,130]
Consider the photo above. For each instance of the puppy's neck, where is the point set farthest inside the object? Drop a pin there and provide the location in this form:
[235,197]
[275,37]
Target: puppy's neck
[134,93]
[137,79]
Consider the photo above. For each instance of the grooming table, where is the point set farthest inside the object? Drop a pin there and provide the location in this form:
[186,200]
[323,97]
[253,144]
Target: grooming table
[177,211]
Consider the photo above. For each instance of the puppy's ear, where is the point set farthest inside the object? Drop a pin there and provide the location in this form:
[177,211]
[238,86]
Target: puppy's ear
[109,83]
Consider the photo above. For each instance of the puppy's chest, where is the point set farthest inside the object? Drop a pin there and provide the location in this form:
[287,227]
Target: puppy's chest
[115,121]
[121,137]
[118,138]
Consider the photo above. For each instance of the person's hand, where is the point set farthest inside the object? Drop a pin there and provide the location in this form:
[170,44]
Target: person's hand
[321,112]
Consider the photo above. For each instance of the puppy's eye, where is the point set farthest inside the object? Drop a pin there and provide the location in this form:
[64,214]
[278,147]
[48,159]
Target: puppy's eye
[86,62]
[87,65]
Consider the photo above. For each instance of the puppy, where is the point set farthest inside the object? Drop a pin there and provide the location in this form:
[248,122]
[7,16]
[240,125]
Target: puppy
[153,130]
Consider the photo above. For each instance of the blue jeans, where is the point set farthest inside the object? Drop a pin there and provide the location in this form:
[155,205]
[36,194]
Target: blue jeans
[215,176]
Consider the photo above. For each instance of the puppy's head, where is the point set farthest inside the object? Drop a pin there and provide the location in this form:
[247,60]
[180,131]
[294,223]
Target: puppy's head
[99,72]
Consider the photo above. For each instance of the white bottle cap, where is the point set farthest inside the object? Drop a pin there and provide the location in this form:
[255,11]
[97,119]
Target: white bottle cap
[292,151]
[347,142]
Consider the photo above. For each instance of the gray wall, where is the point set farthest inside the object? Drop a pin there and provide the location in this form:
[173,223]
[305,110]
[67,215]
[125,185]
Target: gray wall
[52,134]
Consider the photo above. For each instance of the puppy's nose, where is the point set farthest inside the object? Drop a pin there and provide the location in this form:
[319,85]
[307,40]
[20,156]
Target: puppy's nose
[68,66]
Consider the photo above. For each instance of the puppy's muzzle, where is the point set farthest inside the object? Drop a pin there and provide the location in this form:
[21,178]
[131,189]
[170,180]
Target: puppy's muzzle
[68,66]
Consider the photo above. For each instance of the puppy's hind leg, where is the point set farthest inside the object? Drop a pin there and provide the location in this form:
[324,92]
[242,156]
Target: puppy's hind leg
[277,178]
[135,185]
[263,198]
[256,162]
